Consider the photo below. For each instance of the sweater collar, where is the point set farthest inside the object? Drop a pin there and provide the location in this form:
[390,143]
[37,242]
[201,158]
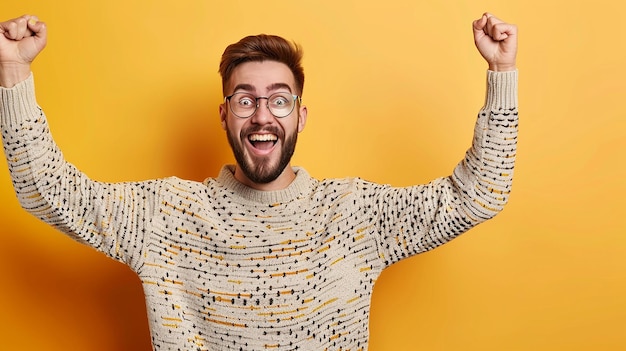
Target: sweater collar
[300,186]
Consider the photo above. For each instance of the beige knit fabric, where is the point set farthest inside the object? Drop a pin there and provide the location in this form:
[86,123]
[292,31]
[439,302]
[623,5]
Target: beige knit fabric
[226,267]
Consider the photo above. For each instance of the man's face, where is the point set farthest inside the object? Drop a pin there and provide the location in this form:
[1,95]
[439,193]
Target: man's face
[262,144]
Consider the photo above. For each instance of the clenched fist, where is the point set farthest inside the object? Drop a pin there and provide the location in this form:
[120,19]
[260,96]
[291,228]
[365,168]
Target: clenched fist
[496,41]
[21,40]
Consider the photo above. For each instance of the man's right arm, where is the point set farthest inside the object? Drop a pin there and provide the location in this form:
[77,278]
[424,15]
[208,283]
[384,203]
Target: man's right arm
[111,217]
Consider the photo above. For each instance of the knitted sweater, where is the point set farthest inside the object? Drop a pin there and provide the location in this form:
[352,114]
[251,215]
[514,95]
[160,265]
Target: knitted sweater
[227,267]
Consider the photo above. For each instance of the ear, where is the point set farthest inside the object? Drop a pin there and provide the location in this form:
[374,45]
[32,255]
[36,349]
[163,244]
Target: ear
[302,118]
[223,115]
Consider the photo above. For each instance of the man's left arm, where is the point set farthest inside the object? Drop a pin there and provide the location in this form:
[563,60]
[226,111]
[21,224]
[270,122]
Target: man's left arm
[417,219]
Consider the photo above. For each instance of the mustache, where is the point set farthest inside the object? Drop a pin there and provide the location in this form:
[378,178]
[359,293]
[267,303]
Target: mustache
[263,129]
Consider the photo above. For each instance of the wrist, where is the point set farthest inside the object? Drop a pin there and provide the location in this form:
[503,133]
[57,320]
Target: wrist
[12,74]
[502,67]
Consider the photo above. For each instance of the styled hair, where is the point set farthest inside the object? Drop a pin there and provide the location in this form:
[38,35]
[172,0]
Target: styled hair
[260,48]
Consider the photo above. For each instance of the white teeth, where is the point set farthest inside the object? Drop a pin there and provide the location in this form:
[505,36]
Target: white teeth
[263,137]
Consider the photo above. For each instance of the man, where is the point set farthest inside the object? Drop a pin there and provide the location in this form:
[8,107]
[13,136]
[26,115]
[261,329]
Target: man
[263,256]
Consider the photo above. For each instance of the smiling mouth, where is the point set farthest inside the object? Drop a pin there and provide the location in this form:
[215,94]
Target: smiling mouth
[263,141]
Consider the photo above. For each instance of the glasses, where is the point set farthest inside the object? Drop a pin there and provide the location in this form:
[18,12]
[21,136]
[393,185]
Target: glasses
[244,105]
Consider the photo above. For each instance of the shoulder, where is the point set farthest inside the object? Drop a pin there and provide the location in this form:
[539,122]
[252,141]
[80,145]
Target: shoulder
[354,185]
[175,185]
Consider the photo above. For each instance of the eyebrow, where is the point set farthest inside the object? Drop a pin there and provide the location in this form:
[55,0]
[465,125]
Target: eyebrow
[271,87]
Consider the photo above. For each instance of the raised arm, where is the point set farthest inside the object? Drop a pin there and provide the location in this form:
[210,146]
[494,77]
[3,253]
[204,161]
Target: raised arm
[417,219]
[111,217]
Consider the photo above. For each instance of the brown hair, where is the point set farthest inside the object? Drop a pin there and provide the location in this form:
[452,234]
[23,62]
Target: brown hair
[260,48]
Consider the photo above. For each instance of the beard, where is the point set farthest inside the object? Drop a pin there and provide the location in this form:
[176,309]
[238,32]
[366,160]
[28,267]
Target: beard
[263,170]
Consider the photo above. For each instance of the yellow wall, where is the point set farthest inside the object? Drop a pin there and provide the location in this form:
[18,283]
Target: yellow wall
[131,91]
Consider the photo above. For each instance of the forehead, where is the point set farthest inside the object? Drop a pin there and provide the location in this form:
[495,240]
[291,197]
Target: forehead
[261,76]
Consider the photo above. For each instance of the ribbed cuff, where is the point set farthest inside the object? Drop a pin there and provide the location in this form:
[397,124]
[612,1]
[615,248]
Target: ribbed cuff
[18,101]
[501,90]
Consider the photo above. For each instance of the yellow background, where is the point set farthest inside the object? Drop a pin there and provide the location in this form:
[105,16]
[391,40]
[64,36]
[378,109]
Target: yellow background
[131,91]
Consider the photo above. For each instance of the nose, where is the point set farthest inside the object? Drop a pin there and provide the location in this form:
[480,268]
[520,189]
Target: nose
[262,115]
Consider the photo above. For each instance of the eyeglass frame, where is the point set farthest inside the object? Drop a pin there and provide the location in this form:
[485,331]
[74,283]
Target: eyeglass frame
[296,99]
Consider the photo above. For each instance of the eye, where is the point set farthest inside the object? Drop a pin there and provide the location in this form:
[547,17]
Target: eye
[246,101]
[280,100]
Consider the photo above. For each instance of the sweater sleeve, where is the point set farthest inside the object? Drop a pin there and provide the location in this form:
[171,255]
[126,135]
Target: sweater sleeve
[416,219]
[111,217]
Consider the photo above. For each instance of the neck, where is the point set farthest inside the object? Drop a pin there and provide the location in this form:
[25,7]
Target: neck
[282,182]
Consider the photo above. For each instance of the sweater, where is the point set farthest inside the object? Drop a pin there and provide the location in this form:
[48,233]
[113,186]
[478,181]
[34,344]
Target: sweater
[227,267]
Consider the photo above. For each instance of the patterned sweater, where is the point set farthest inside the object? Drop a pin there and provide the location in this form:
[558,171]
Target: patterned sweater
[227,267]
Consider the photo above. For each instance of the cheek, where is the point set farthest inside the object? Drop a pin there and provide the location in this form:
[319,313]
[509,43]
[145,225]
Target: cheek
[233,125]
[289,127]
